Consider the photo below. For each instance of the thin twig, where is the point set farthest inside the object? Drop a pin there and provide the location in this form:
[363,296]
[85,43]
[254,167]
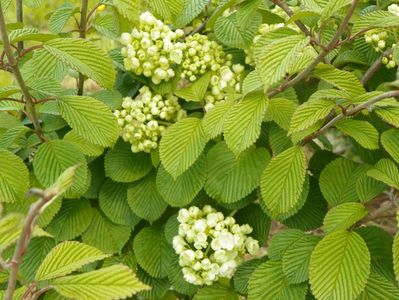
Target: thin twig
[45,100]
[290,13]
[350,112]
[13,63]
[27,50]
[331,46]
[374,67]
[20,19]
[24,240]
[82,35]
[93,10]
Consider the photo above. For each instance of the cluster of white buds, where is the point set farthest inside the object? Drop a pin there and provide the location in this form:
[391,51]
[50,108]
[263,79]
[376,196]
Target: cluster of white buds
[227,79]
[376,39]
[202,55]
[142,120]
[388,60]
[210,245]
[153,49]
[394,9]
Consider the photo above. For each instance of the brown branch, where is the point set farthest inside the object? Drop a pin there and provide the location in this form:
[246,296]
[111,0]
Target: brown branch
[18,77]
[45,100]
[82,35]
[20,19]
[26,51]
[331,46]
[374,67]
[25,238]
[290,13]
[93,10]
[350,112]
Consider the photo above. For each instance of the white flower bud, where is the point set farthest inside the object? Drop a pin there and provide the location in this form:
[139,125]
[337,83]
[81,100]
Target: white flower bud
[126,38]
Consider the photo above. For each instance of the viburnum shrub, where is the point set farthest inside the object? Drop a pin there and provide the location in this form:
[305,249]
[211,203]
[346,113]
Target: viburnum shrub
[200,149]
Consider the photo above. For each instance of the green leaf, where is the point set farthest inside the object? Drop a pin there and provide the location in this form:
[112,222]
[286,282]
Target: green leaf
[277,57]
[379,287]
[53,158]
[257,219]
[309,113]
[230,179]
[375,19]
[60,17]
[113,203]
[252,82]
[341,79]
[395,251]
[191,9]
[390,142]
[45,65]
[181,145]
[38,249]
[152,251]
[338,181]
[216,291]
[281,241]
[10,229]
[339,266]
[29,34]
[277,287]
[368,188]
[227,30]
[181,191]
[332,7]
[65,258]
[195,91]
[386,171]
[361,131]
[296,259]
[84,57]
[389,115]
[311,215]
[280,110]
[115,282]
[108,25]
[131,10]
[243,123]
[343,216]
[213,122]
[105,235]
[72,220]
[112,99]
[14,177]
[243,274]
[283,179]
[145,200]
[84,146]
[122,165]
[90,118]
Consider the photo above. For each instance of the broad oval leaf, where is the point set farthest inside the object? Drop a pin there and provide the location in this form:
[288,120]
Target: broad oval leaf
[283,179]
[343,216]
[229,178]
[121,165]
[213,122]
[65,258]
[90,118]
[339,266]
[14,177]
[115,282]
[85,57]
[152,251]
[385,170]
[390,142]
[181,145]
[268,282]
[53,158]
[361,131]
[243,123]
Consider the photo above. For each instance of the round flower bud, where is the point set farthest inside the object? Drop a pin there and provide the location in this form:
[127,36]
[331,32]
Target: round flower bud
[126,38]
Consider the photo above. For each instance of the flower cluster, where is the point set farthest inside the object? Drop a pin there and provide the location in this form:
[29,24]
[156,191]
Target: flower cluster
[376,39]
[394,9]
[224,79]
[388,60]
[152,49]
[140,119]
[210,245]
[202,55]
